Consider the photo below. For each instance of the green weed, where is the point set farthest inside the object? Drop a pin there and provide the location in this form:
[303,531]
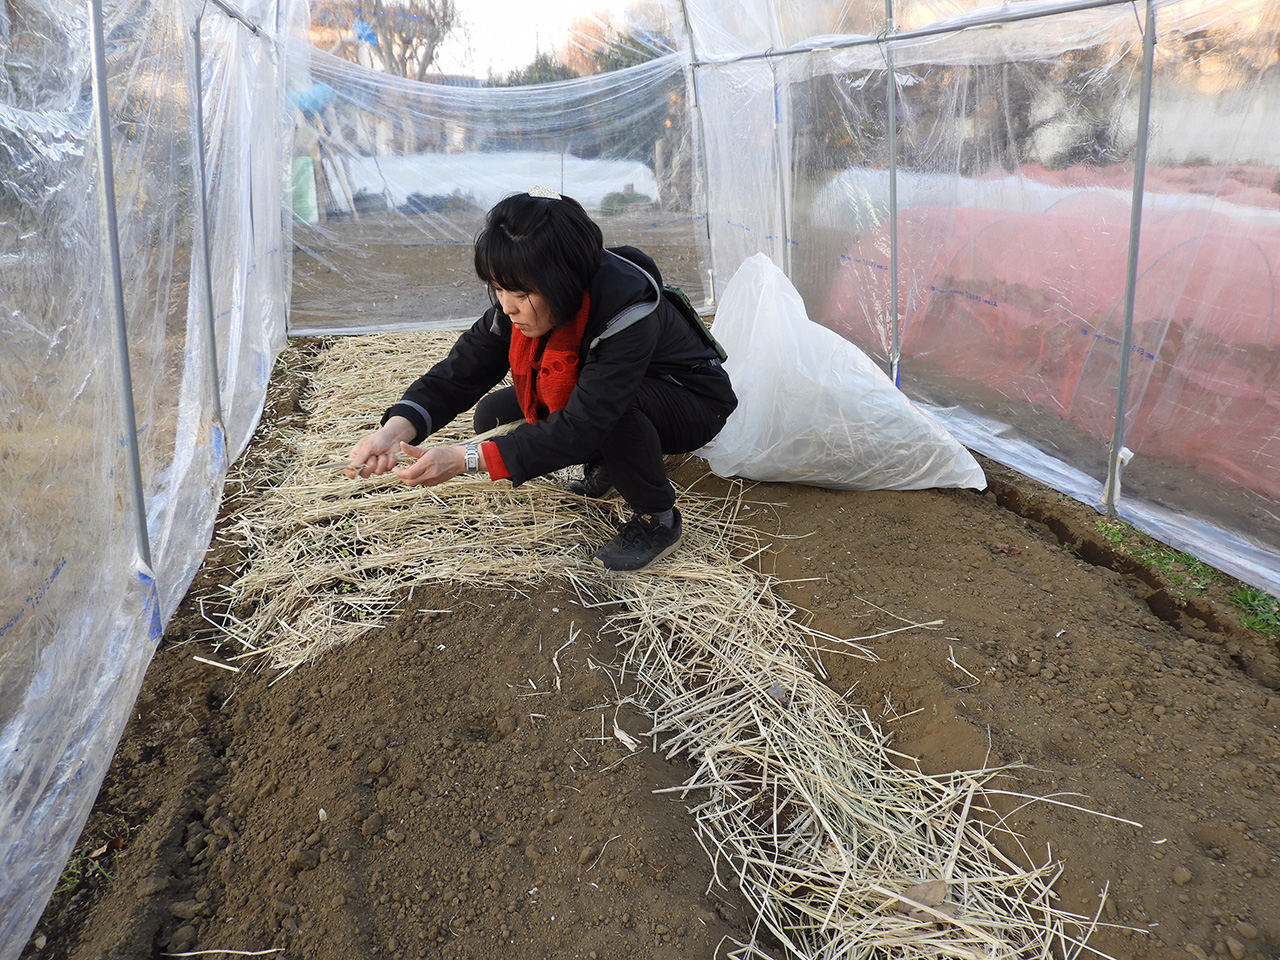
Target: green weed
[1260,610]
[1114,532]
[1180,569]
[94,859]
[79,868]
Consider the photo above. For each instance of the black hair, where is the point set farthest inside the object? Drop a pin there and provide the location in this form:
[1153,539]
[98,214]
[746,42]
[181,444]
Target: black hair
[540,244]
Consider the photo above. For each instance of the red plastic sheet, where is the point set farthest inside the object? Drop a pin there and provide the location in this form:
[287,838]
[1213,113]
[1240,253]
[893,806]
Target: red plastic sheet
[1032,306]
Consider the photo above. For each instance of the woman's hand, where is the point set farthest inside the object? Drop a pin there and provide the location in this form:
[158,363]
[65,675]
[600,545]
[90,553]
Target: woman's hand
[434,465]
[377,453]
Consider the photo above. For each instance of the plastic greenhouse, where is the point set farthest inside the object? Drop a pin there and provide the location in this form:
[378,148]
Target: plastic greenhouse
[1056,224]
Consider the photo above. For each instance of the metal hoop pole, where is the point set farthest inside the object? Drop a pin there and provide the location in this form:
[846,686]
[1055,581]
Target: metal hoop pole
[998,17]
[698,134]
[1111,495]
[782,153]
[783,160]
[206,260]
[895,349]
[111,236]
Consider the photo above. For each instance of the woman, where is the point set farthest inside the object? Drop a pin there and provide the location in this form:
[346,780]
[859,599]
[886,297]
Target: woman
[606,372]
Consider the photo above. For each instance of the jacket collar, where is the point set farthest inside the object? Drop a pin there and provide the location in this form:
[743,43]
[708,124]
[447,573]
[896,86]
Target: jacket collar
[622,292]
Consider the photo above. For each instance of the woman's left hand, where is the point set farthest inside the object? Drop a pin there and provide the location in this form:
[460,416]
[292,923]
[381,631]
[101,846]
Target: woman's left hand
[432,466]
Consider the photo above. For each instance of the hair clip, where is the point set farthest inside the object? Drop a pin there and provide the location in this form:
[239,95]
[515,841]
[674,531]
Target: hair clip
[544,193]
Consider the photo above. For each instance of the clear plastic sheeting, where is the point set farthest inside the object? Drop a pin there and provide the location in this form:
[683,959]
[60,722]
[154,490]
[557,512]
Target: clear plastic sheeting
[719,30]
[745,212]
[248,133]
[1012,166]
[392,179]
[82,609]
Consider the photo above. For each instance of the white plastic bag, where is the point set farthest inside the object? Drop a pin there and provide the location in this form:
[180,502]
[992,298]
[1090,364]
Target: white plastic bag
[813,408]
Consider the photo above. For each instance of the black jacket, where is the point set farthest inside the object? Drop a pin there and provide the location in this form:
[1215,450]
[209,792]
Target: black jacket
[632,332]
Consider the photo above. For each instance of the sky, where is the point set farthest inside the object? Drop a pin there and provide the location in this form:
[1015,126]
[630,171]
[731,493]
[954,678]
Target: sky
[501,35]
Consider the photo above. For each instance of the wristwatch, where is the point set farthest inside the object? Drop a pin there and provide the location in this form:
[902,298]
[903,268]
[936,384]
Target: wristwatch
[473,458]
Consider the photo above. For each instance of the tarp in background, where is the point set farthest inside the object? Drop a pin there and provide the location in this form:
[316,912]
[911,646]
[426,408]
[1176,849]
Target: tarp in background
[80,612]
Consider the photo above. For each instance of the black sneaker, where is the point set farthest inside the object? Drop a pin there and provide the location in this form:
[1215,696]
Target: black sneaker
[640,542]
[595,483]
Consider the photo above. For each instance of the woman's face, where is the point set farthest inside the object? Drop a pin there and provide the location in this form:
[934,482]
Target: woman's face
[529,312]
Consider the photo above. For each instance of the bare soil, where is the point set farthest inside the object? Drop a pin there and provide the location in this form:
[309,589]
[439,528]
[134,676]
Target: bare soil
[431,791]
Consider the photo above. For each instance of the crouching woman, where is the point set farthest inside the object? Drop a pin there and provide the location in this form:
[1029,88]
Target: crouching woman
[606,372]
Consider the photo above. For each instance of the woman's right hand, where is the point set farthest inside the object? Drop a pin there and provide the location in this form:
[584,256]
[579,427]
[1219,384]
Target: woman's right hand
[378,452]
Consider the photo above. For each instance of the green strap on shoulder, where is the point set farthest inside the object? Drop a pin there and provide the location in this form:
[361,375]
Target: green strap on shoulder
[680,301]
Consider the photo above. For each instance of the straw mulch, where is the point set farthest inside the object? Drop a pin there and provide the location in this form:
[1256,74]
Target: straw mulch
[845,848]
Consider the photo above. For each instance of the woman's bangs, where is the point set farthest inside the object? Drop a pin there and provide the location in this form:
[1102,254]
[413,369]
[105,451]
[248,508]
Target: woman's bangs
[503,263]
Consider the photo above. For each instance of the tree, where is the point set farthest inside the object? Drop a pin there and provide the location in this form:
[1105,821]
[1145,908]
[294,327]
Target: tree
[400,37]
[598,45]
[545,68]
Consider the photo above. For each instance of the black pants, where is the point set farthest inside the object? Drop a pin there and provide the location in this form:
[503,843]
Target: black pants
[665,418]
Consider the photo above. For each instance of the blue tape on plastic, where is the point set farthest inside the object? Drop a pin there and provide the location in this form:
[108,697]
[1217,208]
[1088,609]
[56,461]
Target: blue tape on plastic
[1113,342]
[866,263]
[219,449]
[35,597]
[151,611]
[667,223]
[967,294]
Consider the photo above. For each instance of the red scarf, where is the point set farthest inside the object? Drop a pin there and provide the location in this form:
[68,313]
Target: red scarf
[545,370]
